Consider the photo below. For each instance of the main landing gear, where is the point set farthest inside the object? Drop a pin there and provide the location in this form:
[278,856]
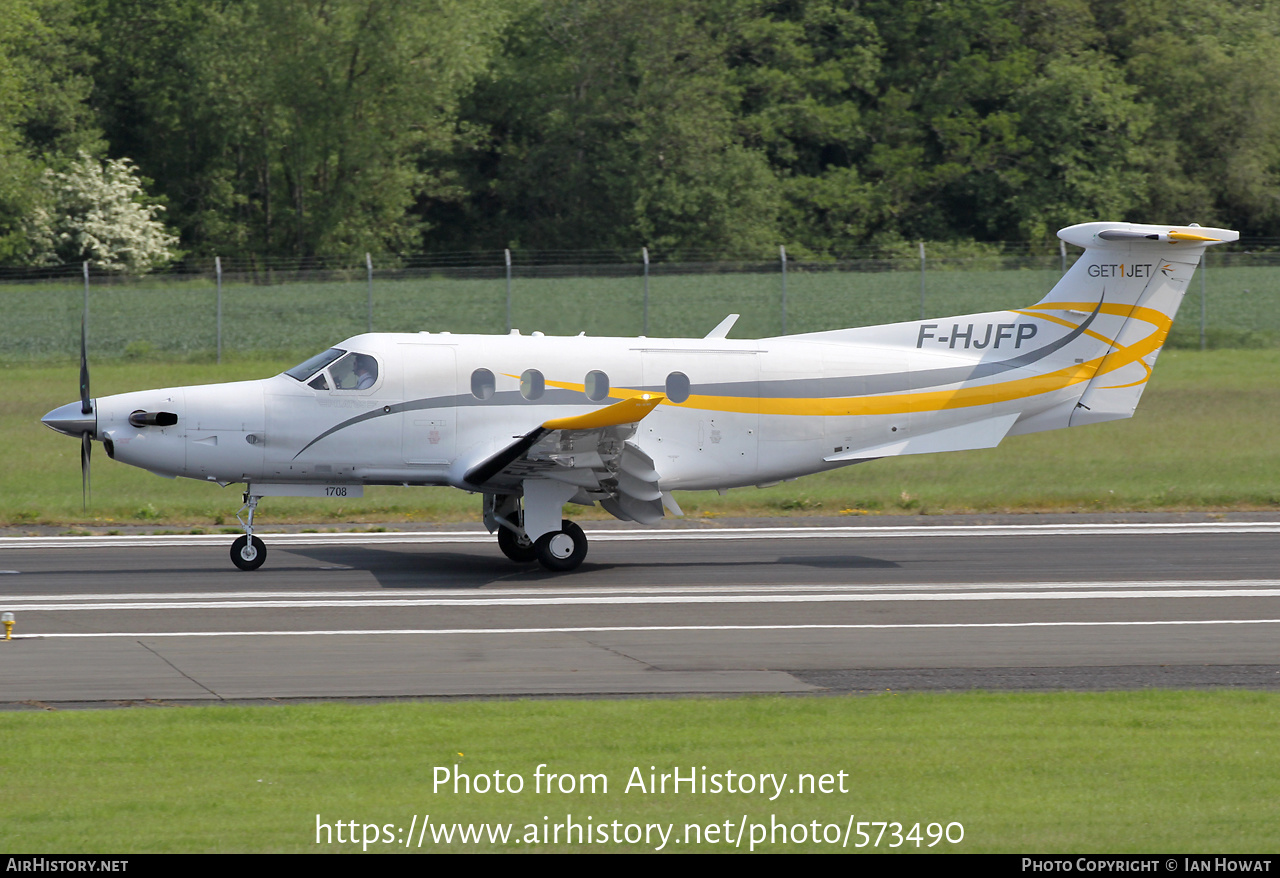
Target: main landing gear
[248,552]
[559,550]
[563,550]
[513,543]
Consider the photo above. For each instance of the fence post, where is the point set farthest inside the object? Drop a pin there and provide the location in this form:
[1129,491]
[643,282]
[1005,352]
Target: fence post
[507,254]
[368,265]
[644,253]
[783,251]
[217,268]
[922,280]
[1062,248]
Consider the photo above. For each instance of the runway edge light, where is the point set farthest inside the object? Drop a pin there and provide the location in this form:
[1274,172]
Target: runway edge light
[7,619]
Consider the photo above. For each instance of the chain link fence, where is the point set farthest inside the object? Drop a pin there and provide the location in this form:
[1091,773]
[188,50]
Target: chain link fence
[223,307]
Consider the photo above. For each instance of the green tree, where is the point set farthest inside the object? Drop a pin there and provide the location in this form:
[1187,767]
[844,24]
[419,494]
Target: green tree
[98,211]
[294,126]
[806,71]
[44,114]
[17,172]
[610,124]
[1209,76]
[976,119]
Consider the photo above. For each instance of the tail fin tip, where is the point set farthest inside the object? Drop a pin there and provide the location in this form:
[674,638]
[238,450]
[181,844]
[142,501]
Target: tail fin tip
[1114,235]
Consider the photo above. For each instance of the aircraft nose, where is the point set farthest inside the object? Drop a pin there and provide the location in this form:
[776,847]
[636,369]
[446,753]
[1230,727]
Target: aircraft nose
[70,420]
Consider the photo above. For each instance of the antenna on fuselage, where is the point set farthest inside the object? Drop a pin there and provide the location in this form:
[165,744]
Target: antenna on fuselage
[723,327]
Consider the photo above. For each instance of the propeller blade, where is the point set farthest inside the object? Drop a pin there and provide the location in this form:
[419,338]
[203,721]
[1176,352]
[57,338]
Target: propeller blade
[86,452]
[85,406]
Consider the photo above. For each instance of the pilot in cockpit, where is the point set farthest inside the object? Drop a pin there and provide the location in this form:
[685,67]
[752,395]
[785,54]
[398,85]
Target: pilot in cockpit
[366,371]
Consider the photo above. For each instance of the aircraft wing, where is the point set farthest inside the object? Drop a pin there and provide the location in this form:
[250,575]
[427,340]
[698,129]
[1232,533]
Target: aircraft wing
[590,452]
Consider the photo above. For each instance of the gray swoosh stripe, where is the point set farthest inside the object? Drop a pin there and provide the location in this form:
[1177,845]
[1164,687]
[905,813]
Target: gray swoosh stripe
[506,398]
[795,388]
[889,382]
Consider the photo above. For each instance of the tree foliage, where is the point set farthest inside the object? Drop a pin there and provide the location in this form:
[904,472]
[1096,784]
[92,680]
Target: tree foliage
[307,125]
[611,124]
[45,117]
[98,211]
[304,127]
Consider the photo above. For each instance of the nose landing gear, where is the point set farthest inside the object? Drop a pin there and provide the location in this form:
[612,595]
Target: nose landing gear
[248,552]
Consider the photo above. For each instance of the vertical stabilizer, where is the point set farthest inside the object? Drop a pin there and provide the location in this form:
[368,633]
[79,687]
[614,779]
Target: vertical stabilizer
[1133,276]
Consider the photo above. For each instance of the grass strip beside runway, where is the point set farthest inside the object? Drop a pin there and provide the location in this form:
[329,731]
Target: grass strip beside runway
[1151,771]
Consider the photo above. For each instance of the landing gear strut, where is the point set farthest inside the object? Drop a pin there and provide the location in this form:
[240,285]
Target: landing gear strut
[248,552]
[513,543]
[559,550]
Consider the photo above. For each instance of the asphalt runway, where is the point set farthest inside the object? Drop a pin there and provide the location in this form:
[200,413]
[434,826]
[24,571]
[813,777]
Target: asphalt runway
[673,611]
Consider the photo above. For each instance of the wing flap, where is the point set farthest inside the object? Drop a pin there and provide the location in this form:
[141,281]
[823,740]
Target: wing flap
[588,451]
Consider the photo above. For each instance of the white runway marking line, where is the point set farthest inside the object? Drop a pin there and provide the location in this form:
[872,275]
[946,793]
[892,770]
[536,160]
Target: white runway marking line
[680,595]
[602,629]
[482,593]
[658,534]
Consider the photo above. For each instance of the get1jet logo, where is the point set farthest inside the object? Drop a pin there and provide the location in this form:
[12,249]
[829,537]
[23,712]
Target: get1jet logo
[1140,269]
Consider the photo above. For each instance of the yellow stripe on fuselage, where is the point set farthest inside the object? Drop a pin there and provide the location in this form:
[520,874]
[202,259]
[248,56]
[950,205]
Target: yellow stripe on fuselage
[940,400]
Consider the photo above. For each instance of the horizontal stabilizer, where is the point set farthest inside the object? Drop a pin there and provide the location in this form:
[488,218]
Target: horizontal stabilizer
[1123,235]
[964,437]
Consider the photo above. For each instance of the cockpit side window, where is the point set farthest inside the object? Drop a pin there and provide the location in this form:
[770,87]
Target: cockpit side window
[354,372]
[303,371]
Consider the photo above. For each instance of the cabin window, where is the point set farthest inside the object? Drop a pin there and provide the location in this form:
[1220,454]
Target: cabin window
[319,382]
[597,386]
[354,372]
[532,384]
[482,384]
[677,387]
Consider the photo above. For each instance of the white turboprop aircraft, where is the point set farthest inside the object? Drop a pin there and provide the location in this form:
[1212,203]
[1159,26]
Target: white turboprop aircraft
[534,422]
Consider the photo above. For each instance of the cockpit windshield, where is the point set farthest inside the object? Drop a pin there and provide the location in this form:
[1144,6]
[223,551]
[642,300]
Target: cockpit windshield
[303,371]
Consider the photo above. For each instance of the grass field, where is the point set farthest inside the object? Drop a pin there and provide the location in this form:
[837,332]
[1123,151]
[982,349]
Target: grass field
[168,318]
[1078,773]
[1205,437]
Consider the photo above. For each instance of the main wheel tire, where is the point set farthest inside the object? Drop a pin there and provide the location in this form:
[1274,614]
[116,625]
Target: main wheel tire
[563,550]
[515,546]
[248,553]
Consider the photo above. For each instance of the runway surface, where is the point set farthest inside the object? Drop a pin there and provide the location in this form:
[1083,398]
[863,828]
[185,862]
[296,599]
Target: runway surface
[137,620]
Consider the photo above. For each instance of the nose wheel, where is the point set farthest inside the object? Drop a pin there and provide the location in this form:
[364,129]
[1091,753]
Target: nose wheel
[248,553]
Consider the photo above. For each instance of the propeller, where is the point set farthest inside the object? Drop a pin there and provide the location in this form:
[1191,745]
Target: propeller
[86,408]
[79,418]
[86,452]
